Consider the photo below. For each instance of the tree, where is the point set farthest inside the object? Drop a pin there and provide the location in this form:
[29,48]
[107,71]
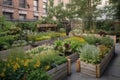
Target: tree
[116,5]
[86,10]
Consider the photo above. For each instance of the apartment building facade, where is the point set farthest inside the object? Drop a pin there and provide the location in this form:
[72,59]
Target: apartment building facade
[25,9]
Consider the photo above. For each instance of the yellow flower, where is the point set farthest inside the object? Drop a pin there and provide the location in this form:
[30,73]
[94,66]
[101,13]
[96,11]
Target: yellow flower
[22,61]
[47,67]
[26,62]
[37,64]
[2,74]
[17,59]
[8,65]
[16,66]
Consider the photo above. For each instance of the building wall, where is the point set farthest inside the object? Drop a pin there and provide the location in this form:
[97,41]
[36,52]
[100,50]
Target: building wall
[1,7]
[29,10]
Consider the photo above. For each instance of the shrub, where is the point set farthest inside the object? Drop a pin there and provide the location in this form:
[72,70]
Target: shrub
[107,41]
[90,54]
[38,74]
[103,50]
[62,30]
[91,39]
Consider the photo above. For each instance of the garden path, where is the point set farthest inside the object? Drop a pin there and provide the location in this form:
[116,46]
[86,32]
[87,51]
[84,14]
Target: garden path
[111,73]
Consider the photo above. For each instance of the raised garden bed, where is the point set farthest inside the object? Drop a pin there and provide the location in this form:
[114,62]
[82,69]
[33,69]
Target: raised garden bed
[95,70]
[73,57]
[61,71]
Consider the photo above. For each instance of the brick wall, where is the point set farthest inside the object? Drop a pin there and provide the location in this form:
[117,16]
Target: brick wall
[29,9]
[1,7]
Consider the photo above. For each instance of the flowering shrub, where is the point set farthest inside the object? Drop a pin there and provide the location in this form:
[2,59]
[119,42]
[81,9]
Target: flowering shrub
[69,45]
[19,63]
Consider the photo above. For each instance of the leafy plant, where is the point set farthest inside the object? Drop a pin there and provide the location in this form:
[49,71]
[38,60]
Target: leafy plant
[38,74]
[107,41]
[91,39]
[49,59]
[103,50]
[39,49]
[90,54]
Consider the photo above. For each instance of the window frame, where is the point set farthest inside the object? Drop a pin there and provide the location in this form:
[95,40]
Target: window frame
[23,15]
[8,2]
[35,5]
[10,15]
[22,4]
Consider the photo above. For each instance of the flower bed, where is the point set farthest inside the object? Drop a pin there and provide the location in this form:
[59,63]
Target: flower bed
[70,47]
[94,58]
[95,70]
[21,65]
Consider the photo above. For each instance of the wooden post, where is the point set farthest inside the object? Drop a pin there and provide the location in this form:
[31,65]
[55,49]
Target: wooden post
[114,39]
[98,73]
[69,67]
[78,68]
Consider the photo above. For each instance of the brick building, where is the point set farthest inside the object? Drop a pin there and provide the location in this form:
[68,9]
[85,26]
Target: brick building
[25,9]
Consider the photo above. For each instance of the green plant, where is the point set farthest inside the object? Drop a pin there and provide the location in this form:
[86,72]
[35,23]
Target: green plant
[75,43]
[107,41]
[49,59]
[6,41]
[91,39]
[38,74]
[103,50]
[90,54]
[39,49]
[62,30]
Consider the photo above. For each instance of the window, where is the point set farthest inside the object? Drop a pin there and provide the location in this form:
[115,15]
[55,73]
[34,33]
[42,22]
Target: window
[22,16]
[35,17]
[35,4]
[44,11]
[7,2]
[8,15]
[44,7]
[22,3]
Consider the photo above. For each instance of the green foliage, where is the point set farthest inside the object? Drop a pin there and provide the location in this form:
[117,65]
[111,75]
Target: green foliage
[91,39]
[90,54]
[6,41]
[116,5]
[27,25]
[62,30]
[38,74]
[39,49]
[103,50]
[107,41]
[43,36]
[86,10]
[104,25]
[70,45]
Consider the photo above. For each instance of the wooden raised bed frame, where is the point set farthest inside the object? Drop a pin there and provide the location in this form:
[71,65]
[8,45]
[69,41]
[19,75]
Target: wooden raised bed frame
[73,57]
[61,71]
[95,70]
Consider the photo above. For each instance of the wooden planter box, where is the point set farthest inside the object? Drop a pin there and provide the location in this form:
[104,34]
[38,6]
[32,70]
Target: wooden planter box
[92,69]
[61,71]
[73,57]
